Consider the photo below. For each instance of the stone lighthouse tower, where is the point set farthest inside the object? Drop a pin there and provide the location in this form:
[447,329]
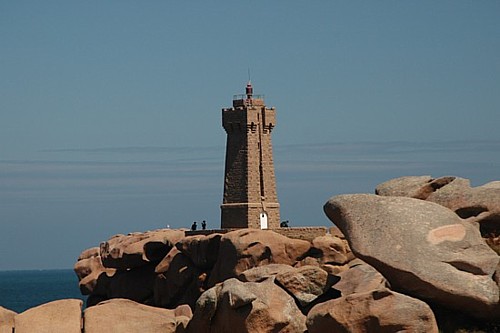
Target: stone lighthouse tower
[250,199]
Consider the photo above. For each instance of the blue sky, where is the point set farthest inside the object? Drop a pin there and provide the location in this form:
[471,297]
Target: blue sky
[110,111]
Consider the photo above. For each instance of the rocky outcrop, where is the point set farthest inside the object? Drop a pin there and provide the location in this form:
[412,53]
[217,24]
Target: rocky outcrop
[423,249]
[480,204]
[247,248]
[62,316]
[386,256]
[381,311]
[138,249]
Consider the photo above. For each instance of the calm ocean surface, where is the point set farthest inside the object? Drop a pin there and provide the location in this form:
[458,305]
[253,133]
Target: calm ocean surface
[21,290]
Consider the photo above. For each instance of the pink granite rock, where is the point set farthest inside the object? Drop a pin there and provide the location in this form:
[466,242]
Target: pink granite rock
[381,311]
[480,204]
[306,284]
[247,248]
[423,249]
[88,268]
[137,249]
[235,306]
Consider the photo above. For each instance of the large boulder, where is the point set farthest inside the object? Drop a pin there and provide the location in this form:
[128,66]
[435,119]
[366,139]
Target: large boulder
[480,204]
[235,306]
[138,249]
[381,311]
[6,320]
[306,283]
[62,316]
[360,278]
[126,316]
[331,250]
[423,249]
[243,249]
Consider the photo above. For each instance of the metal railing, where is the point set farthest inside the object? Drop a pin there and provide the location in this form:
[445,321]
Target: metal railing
[244,96]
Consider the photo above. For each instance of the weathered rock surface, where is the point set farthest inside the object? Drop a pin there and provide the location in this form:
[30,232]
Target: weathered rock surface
[481,204]
[62,316]
[331,250]
[360,278]
[88,268]
[306,284]
[138,249]
[422,248]
[125,316]
[243,249]
[6,320]
[235,306]
[261,273]
[373,311]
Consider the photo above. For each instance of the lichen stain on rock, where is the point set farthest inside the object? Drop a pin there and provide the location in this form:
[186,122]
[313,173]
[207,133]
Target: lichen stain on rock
[452,233]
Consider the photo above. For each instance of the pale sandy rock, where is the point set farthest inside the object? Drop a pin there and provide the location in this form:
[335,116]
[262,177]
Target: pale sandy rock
[235,306]
[6,320]
[125,316]
[88,268]
[243,249]
[381,311]
[62,316]
[202,250]
[306,283]
[137,249]
[494,184]
[422,248]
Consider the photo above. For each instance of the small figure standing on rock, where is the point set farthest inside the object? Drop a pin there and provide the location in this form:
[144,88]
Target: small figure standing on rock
[284,224]
[204,225]
[193,226]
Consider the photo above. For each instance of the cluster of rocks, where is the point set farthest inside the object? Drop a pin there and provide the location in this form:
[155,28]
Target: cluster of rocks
[116,315]
[394,262]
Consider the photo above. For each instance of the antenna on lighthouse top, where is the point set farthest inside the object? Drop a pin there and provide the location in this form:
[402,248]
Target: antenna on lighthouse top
[249,88]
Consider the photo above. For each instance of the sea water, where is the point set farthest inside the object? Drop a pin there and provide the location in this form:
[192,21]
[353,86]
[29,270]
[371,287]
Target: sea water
[21,290]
